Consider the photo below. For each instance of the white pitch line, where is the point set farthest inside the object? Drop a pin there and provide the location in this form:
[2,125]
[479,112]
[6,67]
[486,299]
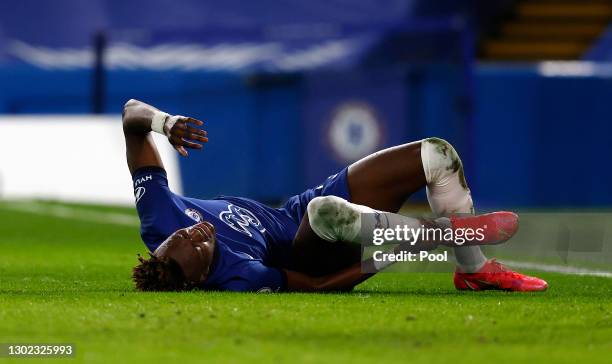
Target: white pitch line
[65,212]
[558,269]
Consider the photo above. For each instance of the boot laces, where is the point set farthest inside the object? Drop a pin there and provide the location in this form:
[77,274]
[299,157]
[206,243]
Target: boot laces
[498,268]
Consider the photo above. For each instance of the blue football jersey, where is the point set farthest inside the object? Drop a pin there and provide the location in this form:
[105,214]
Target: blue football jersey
[253,240]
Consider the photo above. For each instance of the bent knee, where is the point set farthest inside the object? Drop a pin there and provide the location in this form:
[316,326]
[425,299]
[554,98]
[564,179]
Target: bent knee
[324,209]
[322,212]
[441,154]
[439,159]
[333,218]
[443,150]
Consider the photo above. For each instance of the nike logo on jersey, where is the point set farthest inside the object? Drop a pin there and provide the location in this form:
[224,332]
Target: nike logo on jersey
[240,219]
[139,192]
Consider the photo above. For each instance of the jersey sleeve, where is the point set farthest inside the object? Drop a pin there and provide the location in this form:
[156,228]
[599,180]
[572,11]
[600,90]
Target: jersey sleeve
[254,276]
[156,204]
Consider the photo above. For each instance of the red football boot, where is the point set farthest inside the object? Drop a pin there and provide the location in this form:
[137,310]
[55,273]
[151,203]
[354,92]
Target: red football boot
[494,275]
[496,227]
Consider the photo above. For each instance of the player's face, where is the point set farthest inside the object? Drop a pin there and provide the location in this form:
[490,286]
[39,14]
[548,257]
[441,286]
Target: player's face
[192,248]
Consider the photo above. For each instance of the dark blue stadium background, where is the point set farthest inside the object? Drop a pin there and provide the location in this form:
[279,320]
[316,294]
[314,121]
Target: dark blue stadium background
[528,138]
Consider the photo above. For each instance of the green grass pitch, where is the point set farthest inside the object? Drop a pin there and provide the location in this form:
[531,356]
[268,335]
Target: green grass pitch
[63,279]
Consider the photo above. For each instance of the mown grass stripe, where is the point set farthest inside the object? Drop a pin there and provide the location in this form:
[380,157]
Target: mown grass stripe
[73,213]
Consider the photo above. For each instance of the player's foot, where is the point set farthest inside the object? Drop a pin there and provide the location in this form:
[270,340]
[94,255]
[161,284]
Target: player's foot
[494,275]
[496,227]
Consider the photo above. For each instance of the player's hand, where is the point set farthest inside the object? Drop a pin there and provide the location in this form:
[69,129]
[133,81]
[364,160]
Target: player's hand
[185,133]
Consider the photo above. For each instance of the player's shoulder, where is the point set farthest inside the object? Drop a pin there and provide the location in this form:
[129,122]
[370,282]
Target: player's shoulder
[151,190]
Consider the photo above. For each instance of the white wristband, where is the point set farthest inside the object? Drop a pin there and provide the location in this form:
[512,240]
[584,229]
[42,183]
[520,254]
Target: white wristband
[158,122]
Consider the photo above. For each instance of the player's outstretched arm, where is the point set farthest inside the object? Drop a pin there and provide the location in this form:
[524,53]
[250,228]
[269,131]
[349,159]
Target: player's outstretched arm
[344,280]
[139,119]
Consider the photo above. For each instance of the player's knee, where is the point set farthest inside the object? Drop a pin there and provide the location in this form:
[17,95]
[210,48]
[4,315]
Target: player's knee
[322,210]
[325,214]
[440,159]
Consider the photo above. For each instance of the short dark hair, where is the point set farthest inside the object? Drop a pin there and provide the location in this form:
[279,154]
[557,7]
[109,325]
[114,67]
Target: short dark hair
[159,274]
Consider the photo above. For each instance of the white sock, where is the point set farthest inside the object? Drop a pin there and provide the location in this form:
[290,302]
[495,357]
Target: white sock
[448,193]
[335,219]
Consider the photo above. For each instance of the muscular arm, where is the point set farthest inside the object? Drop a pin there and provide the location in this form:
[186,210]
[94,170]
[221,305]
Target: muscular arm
[139,145]
[140,148]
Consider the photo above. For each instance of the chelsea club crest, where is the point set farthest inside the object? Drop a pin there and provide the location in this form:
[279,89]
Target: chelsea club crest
[354,131]
[194,214]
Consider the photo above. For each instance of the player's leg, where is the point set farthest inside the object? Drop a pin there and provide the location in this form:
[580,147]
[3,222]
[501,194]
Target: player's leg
[384,180]
[316,256]
[372,181]
[337,222]
[335,219]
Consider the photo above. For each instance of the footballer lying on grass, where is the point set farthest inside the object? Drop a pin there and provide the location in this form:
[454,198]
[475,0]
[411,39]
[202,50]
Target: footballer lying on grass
[312,242]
